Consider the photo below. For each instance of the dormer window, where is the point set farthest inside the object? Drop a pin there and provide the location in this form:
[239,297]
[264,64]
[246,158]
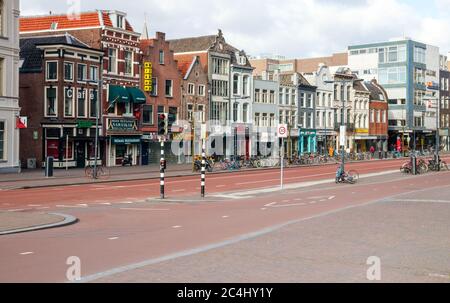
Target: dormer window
[120,21]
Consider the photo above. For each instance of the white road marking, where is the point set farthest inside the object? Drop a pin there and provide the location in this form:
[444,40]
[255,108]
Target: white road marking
[176,226]
[331,198]
[263,208]
[298,199]
[27,253]
[312,202]
[113,238]
[82,205]
[126,202]
[67,206]
[178,190]
[274,205]
[105,203]
[225,217]
[34,205]
[16,210]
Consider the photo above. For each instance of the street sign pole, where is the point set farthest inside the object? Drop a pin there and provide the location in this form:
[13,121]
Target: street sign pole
[282,162]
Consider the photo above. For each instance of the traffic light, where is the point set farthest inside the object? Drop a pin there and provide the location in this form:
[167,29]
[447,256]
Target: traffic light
[162,124]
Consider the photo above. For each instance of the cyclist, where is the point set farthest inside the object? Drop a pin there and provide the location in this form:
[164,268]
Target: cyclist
[340,174]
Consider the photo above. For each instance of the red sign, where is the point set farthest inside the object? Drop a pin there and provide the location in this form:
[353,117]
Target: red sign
[282,131]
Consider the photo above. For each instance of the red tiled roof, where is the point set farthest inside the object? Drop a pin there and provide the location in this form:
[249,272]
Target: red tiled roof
[42,23]
[183,66]
[87,19]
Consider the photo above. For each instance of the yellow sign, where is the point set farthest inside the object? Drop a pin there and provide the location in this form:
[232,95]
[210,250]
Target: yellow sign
[148,73]
[362,131]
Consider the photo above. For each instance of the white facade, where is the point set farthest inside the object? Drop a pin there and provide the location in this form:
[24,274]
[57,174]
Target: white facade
[9,85]
[432,58]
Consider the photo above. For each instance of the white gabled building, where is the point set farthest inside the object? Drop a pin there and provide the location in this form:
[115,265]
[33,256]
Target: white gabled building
[9,85]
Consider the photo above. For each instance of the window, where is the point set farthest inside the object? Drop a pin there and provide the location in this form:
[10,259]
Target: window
[119,22]
[220,88]
[52,71]
[257,119]
[272,97]
[81,103]
[257,95]
[112,60]
[264,96]
[51,102]
[128,63]
[201,110]
[201,90]
[2,139]
[220,66]
[154,91]
[93,73]
[161,57]
[392,75]
[309,101]
[235,111]
[245,86]
[147,114]
[293,97]
[169,88]
[235,84]
[68,102]
[245,113]
[419,55]
[93,103]
[191,89]
[82,75]
[68,71]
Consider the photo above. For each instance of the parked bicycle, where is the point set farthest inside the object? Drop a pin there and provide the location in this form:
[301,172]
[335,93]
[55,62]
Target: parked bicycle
[103,172]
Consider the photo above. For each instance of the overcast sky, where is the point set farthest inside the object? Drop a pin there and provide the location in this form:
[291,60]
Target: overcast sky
[293,28]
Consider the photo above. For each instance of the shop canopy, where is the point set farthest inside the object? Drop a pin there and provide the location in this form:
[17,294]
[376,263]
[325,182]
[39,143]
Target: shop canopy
[136,95]
[118,94]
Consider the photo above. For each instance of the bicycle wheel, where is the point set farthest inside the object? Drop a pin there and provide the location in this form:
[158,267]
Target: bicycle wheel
[353,176]
[444,166]
[88,171]
[103,172]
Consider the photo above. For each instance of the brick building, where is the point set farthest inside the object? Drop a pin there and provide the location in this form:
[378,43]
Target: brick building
[379,125]
[122,98]
[59,100]
[164,96]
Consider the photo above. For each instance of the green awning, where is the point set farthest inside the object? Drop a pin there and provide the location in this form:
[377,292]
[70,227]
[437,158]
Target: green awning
[118,94]
[137,96]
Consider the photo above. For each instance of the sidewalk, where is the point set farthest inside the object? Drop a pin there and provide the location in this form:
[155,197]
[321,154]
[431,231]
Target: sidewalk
[18,222]
[36,178]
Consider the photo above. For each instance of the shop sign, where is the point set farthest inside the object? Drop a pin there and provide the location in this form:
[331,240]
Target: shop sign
[362,131]
[148,73]
[122,125]
[443,132]
[305,132]
[126,140]
[84,124]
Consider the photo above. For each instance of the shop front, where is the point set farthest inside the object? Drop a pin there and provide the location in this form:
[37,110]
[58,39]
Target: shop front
[307,141]
[124,140]
[325,140]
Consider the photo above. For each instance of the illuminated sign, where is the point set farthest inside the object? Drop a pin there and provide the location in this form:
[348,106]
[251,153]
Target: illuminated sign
[148,73]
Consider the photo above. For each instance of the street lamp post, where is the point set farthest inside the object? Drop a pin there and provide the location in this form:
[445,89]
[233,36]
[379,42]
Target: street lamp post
[97,111]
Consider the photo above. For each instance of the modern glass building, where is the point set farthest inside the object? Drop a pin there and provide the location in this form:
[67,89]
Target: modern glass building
[409,71]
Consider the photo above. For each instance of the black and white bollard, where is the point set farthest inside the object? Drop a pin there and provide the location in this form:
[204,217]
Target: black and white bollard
[203,179]
[161,170]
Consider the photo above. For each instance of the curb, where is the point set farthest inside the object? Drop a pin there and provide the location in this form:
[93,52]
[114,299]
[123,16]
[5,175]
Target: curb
[68,220]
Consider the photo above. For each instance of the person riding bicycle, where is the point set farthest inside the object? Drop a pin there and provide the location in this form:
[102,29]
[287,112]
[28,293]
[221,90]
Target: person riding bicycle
[340,174]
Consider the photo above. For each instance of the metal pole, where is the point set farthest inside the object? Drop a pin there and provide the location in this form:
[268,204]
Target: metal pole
[161,170]
[282,163]
[67,151]
[203,176]
[97,109]
[438,144]
[343,124]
